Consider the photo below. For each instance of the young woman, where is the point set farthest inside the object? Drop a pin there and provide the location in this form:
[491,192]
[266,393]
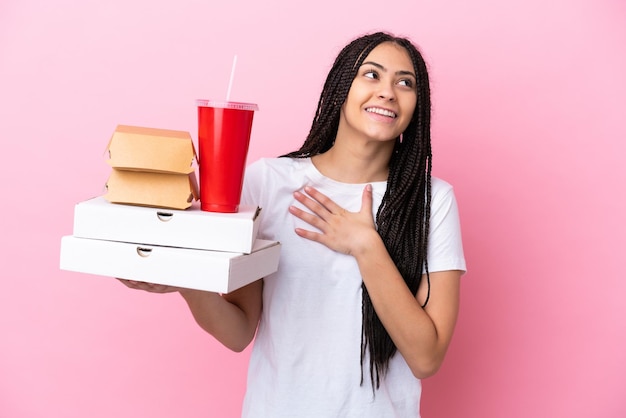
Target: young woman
[366,297]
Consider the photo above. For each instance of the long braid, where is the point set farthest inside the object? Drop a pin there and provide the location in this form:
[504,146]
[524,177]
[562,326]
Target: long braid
[403,216]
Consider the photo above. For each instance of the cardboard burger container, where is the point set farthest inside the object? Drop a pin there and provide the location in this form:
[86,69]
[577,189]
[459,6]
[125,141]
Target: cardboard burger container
[215,271]
[192,228]
[151,167]
[142,188]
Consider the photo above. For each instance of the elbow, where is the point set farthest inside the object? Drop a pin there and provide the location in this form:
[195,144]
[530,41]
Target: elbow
[234,341]
[425,368]
[238,343]
[238,346]
[426,363]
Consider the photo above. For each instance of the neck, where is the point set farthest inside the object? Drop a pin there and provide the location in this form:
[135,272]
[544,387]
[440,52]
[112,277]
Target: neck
[349,163]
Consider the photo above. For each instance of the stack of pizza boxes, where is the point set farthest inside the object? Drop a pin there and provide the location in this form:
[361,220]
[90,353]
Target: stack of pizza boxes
[149,226]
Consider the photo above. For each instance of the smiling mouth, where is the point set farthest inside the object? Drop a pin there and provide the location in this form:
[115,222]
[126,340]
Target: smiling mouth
[383,112]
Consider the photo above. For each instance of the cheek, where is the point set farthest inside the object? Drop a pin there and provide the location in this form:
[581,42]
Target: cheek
[411,103]
[408,113]
[350,108]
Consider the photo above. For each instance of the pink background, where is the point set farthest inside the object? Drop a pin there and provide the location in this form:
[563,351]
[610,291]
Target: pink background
[529,102]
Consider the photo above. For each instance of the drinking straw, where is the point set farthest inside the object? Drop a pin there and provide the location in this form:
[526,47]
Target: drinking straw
[232,75]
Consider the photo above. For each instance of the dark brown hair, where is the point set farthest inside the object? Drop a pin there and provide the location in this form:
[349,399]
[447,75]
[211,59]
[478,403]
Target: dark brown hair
[404,213]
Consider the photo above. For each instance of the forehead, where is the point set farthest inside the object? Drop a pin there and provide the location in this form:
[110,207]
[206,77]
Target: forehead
[390,54]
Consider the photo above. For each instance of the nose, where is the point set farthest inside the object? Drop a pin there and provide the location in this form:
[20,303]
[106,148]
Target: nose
[386,92]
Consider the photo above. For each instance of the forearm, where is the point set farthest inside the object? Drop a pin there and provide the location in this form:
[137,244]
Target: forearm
[421,339]
[231,319]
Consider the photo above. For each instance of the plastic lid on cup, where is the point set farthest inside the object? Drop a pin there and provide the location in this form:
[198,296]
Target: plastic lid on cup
[227,105]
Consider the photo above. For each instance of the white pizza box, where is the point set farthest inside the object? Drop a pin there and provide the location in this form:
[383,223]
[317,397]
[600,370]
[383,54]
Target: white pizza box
[98,218]
[215,271]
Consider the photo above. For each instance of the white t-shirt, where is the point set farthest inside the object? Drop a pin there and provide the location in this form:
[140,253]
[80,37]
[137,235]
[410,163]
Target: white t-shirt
[306,356]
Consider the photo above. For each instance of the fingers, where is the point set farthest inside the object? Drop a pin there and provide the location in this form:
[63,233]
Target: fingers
[337,228]
[317,215]
[319,203]
[322,206]
[310,218]
[128,283]
[320,212]
[310,235]
[367,199]
[148,287]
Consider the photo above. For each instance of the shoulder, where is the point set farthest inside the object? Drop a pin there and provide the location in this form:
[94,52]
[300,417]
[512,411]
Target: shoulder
[443,203]
[439,185]
[440,190]
[270,162]
[279,166]
[264,177]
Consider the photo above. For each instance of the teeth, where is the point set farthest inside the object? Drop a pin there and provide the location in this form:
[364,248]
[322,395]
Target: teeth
[381,112]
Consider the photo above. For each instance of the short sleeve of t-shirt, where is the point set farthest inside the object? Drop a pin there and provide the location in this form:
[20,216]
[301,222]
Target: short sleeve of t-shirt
[445,246]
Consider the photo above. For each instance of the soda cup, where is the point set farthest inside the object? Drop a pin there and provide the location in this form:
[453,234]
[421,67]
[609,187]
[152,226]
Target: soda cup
[224,129]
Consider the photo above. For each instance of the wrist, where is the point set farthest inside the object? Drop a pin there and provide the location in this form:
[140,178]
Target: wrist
[368,245]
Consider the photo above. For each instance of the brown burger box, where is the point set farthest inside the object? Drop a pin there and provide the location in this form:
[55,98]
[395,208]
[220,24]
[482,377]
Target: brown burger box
[151,167]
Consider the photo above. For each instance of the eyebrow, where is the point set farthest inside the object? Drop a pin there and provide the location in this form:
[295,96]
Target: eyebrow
[381,67]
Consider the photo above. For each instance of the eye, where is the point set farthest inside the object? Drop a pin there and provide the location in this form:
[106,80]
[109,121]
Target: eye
[373,74]
[407,82]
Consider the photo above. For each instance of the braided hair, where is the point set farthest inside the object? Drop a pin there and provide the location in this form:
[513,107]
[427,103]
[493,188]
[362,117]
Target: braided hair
[403,216]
